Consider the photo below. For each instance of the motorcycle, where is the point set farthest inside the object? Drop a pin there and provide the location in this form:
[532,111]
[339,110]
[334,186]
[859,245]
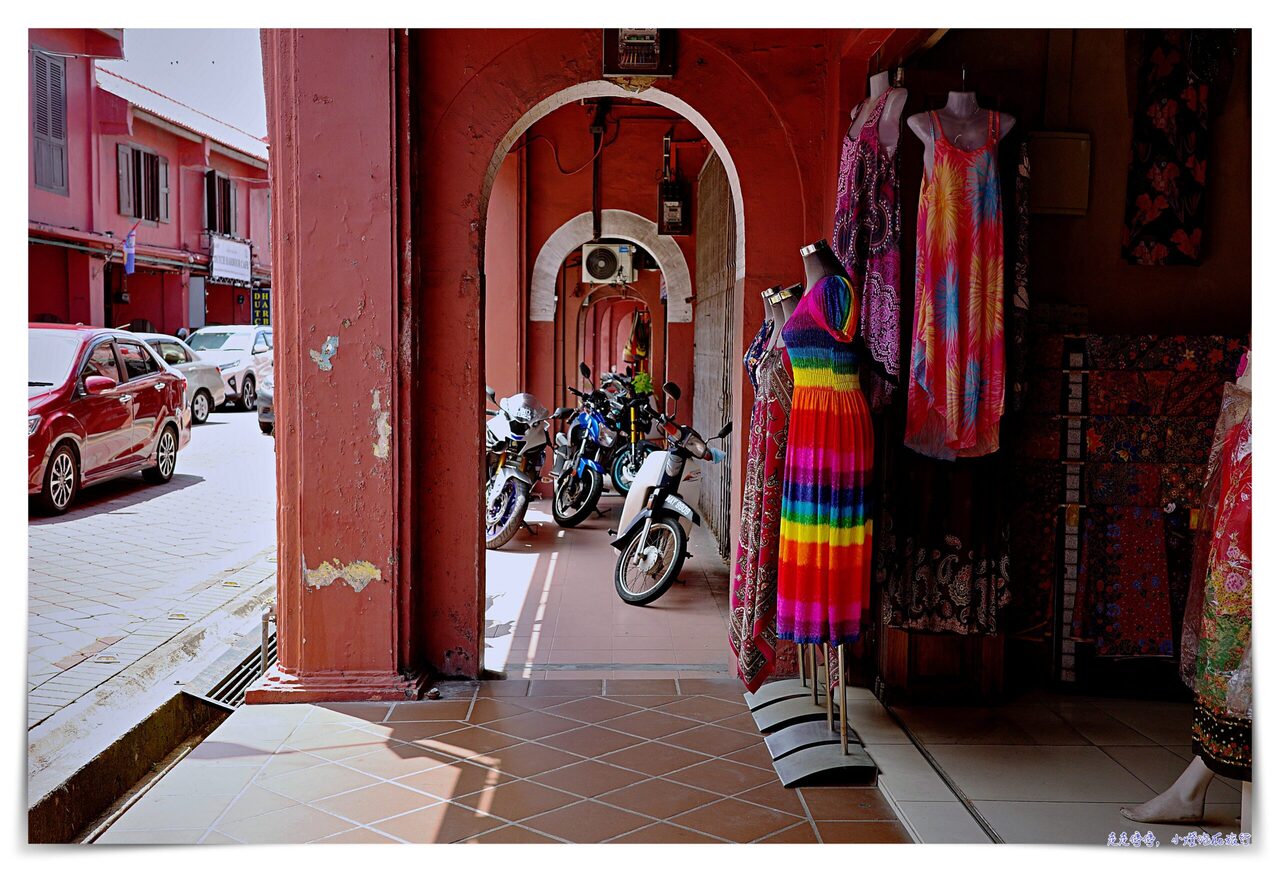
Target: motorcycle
[653,533]
[631,414]
[515,446]
[578,471]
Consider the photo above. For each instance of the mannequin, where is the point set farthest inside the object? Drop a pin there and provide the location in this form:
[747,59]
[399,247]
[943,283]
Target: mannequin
[820,261]
[889,127]
[1184,800]
[781,302]
[964,123]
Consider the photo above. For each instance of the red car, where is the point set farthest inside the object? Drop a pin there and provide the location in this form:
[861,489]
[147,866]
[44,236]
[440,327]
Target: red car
[102,405]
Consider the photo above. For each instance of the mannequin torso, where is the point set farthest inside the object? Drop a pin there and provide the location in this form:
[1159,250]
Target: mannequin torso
[964,123]
[889,126]
[820,261]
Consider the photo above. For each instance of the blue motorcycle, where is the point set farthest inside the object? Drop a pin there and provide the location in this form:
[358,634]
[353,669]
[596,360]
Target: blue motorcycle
[579,470]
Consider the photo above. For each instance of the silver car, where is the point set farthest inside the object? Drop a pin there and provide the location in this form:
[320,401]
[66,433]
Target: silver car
[205,387]
[242,352]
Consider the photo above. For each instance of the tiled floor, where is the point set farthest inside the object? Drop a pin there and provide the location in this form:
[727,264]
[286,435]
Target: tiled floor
[619,760]
[552,611]
[1052,768]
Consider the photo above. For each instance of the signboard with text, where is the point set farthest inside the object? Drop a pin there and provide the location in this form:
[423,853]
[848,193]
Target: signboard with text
[229,260]
[262,306]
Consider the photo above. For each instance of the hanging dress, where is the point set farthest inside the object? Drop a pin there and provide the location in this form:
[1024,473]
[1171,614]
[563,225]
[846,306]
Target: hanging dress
[955,393]
[868,229]
[753,596]
[824,561]
[1221,735]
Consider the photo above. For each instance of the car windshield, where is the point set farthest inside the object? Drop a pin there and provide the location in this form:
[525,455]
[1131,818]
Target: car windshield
[201,341]
[50,356]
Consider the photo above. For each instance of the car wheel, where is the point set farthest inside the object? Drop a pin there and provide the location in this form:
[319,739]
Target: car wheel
[266,427]
[201,406]
[249,394]
[61,481]
[166,457]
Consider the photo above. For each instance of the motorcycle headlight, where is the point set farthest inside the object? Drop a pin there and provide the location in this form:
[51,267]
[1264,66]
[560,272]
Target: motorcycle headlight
[607,437]
[33,421]
[518,427]
[696,446]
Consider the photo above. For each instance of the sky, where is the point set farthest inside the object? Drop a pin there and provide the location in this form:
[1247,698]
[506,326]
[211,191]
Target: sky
[218,72]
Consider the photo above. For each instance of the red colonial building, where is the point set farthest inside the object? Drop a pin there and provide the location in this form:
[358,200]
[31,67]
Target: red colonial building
[109,155]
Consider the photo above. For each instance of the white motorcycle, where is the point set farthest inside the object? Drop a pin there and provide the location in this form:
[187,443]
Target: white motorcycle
[515,446]
[657,517]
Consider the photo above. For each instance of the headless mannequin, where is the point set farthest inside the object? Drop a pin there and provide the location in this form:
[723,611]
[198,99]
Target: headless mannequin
[964,123]
[781,303]
[1183,801]
[820,261]
[889,127]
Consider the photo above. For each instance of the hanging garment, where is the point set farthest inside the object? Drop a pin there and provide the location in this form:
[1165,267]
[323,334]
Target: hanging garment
[755,352]
[1020,311]
[637,350]
[1220,736]
[824,565]
[1182,76]
[868,229]
[753,596]
[955,393]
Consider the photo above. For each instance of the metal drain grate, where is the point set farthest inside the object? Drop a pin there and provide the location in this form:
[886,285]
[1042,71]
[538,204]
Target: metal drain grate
[226,686]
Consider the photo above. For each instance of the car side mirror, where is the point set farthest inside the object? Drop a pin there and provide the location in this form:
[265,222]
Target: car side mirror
[488,392]
[98,384]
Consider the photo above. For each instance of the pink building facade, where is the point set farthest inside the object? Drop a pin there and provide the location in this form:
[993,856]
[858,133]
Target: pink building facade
[107,156]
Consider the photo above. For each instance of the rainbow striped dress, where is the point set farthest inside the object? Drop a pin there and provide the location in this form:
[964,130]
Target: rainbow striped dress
[824,549]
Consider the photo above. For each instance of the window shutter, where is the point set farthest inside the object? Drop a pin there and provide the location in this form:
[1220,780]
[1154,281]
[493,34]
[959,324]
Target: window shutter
[210,201]
[164,189]
[41,121]
[124,180]
[231,219]
[49,122]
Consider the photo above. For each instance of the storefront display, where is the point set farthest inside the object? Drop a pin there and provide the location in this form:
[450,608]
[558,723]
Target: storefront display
[955,393]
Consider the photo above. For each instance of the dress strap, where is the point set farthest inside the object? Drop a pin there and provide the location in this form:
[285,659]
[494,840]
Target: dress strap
[879,110]
[935,123]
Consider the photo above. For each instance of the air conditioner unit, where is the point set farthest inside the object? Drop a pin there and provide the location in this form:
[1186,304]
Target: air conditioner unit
[607,263]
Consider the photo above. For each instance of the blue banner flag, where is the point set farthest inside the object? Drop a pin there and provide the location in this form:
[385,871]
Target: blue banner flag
[129,243]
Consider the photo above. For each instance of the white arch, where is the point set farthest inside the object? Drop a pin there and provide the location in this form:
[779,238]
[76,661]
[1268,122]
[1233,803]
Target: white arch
[601,88]
[619,224]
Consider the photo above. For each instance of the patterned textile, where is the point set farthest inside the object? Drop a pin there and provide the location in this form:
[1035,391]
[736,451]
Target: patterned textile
[955,395]
[1123,602]
[1181,484]
[1194,394]
[1179,547]
[1125,439]
[1020,312]
[1236,403]
[868,229]
[755,351]
[1165,202]
[950,547]
[824,566]
[1123,484]
[1220,737]
[1184,353]
[753,596]
[1128,392]
[1187,440]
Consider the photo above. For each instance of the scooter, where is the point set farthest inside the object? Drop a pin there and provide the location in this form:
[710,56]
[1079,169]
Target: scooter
[515,446]
[657,518]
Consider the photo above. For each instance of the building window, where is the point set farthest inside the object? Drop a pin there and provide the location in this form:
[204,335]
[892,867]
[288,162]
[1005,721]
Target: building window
[143,181]
[219,203]
[49,121]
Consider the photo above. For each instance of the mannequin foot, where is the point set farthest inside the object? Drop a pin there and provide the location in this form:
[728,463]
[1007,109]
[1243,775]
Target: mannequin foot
[1168,808]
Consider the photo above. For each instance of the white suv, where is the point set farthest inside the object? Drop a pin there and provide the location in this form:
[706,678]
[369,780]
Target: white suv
[243,355]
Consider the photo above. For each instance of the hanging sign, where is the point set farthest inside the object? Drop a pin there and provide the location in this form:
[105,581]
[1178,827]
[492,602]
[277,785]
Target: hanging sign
[262,306]
[229,260]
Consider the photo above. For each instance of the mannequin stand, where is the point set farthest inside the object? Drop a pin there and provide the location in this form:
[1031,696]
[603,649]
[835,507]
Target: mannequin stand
[790,709]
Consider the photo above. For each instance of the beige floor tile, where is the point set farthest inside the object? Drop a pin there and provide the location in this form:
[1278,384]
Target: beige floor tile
[906,775]
[309,785]
[117,836]
[873,725]
[458,779]
[1085,823]
[299,823]
[369,804]
[1097,726]
[943,823]
[357,836]
[430,710]
[439,824]
[253,802]
[1038,773]
[398,761]
[158,812]
[1032,724]
[192,778]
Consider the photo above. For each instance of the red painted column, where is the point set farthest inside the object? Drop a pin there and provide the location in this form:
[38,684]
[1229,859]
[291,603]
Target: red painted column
[343,584]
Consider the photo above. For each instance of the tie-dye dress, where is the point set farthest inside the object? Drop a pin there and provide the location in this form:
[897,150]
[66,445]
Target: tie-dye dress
[824,551]
[955,393]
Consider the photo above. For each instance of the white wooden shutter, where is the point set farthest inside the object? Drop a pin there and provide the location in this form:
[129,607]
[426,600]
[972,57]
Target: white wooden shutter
[164,189]
[124,180]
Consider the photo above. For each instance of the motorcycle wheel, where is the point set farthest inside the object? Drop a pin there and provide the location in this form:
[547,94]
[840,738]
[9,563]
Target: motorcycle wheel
[626,463]
[641,582]
[505,512]
[575,498]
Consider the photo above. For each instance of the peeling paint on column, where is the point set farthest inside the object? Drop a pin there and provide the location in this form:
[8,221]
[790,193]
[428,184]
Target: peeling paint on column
[324,356]
[382,425]
[357,575]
